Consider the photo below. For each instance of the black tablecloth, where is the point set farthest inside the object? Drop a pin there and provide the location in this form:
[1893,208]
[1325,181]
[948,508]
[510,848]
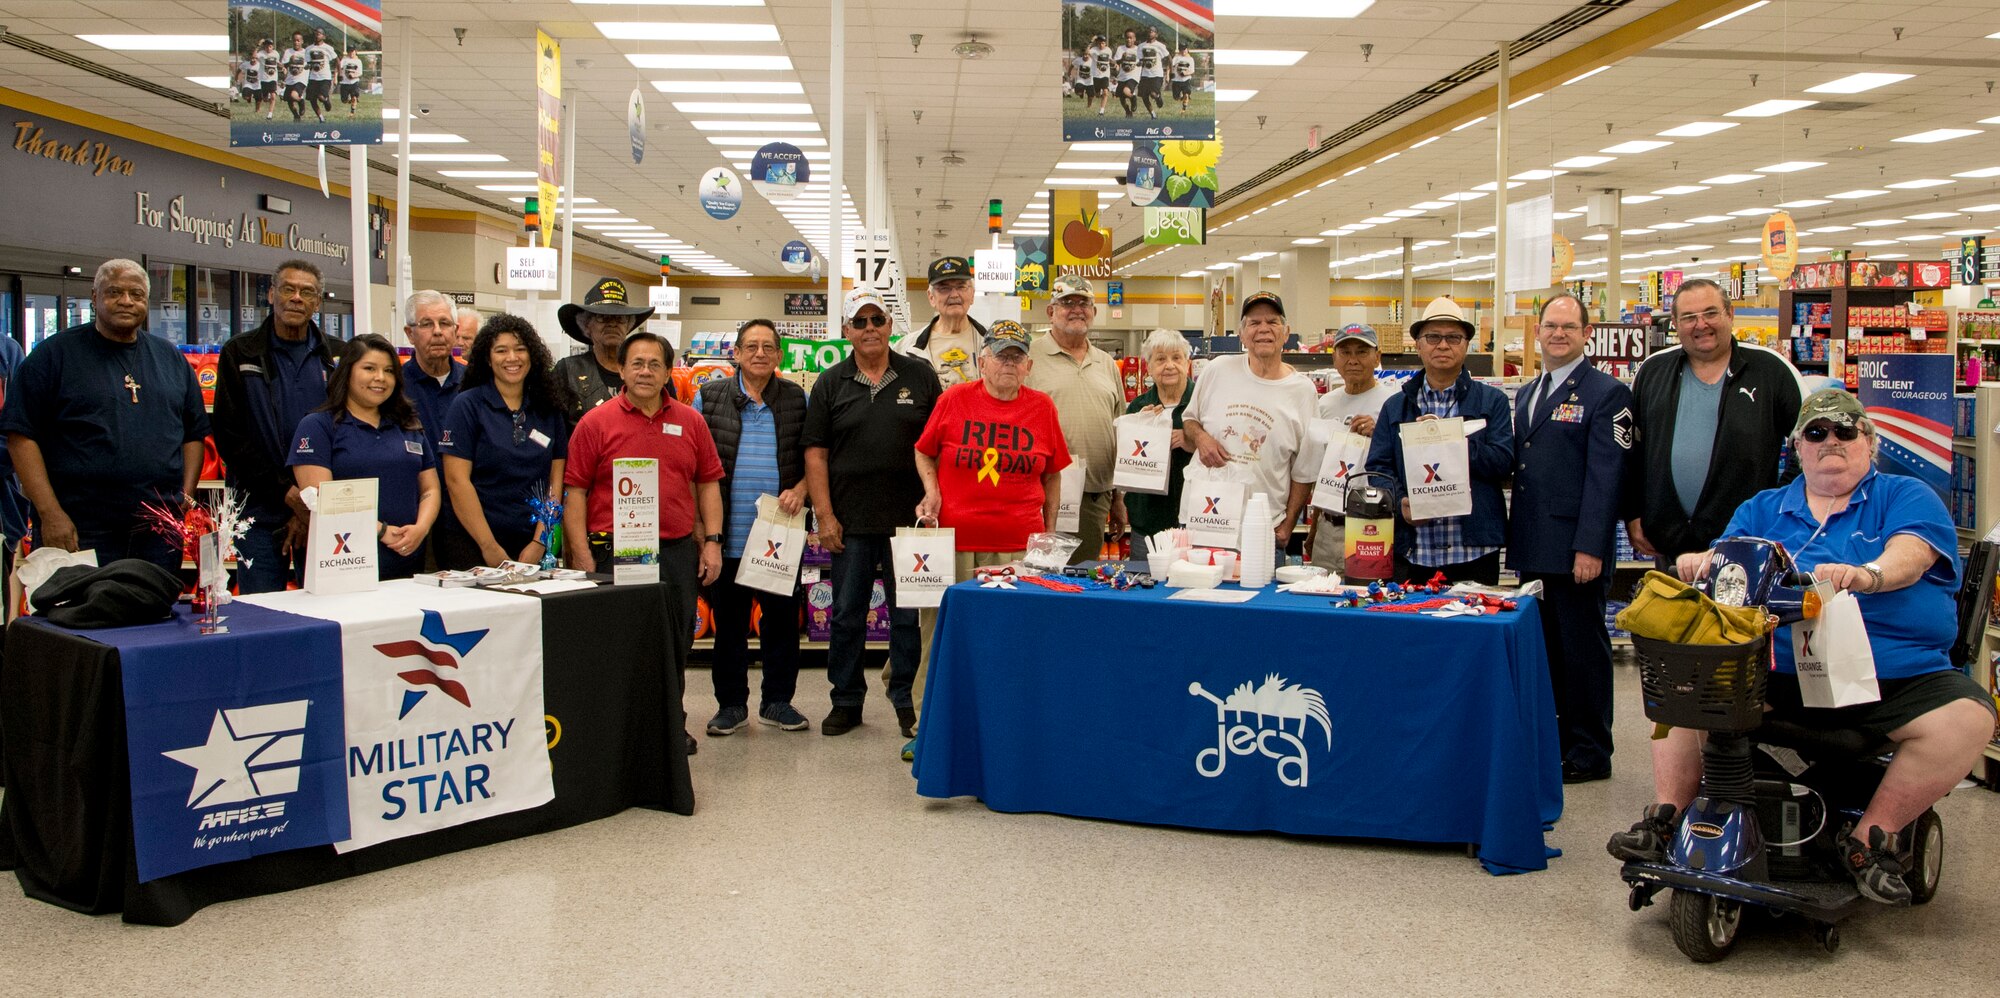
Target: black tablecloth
[66,819]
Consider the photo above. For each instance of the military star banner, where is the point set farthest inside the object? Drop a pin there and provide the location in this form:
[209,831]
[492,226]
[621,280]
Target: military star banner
[304,72]
[444,716]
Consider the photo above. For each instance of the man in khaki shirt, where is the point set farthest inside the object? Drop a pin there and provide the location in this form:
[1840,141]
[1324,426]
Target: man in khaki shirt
[1088,394]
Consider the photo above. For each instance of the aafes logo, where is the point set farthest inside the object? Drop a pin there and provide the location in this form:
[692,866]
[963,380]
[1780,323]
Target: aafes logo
[1270,706]
[305,446]
[251,752]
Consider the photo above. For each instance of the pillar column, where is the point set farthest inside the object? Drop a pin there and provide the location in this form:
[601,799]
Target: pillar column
[1305,286]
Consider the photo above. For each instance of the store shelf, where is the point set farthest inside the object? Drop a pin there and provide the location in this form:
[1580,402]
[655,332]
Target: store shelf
[1965,445]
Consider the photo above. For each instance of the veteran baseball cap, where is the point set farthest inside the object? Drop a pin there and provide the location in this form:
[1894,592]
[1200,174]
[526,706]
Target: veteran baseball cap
[1357,331]
[950,268]
[1263,298]
[1834,405]
[1006,334]
[1071,286]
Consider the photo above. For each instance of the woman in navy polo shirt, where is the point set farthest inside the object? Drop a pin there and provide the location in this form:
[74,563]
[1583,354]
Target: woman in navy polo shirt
[503,444]
[369,429]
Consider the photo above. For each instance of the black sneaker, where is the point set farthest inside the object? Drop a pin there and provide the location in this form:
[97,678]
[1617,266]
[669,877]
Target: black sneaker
[727,720]
[1875,868]
[906,719]
[692,747]
[1646,841]
[840,720]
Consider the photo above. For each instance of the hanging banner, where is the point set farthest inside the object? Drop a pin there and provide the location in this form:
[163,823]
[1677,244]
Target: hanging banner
[1031,265]
[1563,257]
[635,124]
[1175,226]
[306,73]
[1144,176]
[1909,399]
[1971,254]
[778,169]
[1781,246]
[1138,69]
[795,257]
[548,126]
[1189,178]
[1529,243]
[721,194]
[1073,226]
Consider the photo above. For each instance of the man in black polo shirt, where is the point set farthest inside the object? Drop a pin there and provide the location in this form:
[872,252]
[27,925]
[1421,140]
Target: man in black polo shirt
[862,425]
[102,418]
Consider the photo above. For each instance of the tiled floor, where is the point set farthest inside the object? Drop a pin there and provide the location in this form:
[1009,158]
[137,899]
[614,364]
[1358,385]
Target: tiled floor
[812,867]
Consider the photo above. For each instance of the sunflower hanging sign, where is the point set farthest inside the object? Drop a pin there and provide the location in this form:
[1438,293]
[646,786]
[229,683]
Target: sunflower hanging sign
[1190,171]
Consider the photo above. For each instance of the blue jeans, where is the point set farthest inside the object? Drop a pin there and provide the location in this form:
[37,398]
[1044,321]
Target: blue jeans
[863,559]
[260,568]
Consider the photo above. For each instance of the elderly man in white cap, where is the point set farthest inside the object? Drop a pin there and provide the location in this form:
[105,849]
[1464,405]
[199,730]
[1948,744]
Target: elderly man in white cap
[1353,407]
[1463,548]
[1089,395]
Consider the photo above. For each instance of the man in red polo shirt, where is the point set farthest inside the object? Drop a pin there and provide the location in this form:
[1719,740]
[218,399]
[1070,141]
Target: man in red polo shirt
[647,422]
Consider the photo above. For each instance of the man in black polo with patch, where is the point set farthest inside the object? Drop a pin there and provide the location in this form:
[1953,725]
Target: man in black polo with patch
[862,423]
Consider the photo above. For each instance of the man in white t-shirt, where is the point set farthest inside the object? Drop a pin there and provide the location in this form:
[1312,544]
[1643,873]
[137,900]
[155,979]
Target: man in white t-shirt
[295,77]
[270,76]
[1183,77]
[952,339]
[1153,56]
[1255,411]
[1127,58]
[320,58]
[1102,58]
[1353,408]
[247,87]
[350,81]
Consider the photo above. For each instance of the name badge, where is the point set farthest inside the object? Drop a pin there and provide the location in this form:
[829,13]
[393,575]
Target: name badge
[671,429]
[541,439]
[413,447]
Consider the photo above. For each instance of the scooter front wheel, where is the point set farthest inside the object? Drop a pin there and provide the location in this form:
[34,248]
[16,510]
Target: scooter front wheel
[1704,925]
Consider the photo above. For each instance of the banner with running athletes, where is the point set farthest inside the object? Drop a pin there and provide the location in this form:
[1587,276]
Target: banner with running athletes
[1138,69]
[443,693]
[305,72]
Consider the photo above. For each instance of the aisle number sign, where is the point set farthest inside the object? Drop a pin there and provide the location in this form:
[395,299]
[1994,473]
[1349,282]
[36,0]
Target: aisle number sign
[548,125]
[1781,246]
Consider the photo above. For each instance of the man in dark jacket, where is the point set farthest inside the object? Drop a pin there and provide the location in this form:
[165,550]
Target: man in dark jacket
[1572,432]
[1464,548]
[267,379]
[588,380]
[1711,420]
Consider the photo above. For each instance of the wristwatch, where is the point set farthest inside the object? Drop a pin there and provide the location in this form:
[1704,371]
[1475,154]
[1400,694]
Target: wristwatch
[1874,570]
[717,539]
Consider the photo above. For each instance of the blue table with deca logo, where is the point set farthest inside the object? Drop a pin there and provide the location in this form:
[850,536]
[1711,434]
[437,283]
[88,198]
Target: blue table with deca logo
[1280,714]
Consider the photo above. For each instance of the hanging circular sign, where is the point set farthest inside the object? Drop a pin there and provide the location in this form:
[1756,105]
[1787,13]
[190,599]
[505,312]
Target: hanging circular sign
[796,257]
[778,170]
[1564,254]
[635,124]
[1781,246]
[721,194]
[1144,176]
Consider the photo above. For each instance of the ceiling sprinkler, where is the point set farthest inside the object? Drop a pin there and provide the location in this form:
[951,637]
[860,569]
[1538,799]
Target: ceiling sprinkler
[918,114]
[1366,51]
[915,40]
[460,32]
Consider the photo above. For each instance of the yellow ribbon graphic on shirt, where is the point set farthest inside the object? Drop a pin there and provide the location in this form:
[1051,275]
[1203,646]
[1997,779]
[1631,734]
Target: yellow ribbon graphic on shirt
[990,467]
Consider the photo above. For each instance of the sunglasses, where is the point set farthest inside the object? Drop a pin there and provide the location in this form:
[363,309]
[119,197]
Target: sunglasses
[1817,432]
[863,321]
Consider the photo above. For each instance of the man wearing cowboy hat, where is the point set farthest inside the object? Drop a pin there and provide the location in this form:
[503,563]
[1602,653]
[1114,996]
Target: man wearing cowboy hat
[587,380]
[1464,548]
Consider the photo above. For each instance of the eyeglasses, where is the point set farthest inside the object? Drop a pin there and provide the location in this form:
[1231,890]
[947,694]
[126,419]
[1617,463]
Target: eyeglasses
[866,321]
[1816,433]
[756,348]
[1443,339]
[123,294]
[435,325]
[1011,358]
[1076,304]
[288,290]
[1562,327]
[1712,316]
[520,426]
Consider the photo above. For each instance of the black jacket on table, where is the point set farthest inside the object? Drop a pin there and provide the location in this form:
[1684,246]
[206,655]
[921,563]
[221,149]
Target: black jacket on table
[1760,401]
[252,445]
[721,403]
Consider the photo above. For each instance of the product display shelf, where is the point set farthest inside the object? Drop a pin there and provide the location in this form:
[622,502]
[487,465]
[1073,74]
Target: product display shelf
[1826,327]
[1975,454]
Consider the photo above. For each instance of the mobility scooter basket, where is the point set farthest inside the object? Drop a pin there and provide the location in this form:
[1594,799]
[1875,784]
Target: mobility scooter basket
[1704,687]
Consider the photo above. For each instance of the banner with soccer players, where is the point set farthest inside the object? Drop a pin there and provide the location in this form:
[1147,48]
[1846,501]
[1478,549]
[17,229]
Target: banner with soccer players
[305,72]
[1138,69]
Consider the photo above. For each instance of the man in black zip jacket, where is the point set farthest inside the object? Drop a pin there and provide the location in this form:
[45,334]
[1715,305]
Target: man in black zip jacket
[267,379]
[1711,419]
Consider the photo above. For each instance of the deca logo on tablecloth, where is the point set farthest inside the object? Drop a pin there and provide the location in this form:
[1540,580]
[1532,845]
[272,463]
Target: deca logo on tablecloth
[1272,704]
[443,650]
[251,752]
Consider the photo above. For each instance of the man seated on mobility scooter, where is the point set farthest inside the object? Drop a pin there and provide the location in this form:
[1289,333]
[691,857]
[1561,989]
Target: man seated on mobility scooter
[1888,539]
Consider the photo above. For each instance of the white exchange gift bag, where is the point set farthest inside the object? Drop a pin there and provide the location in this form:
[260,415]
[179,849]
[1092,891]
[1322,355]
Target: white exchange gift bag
[1145,452]
[1069,508]
[923,559]
[1212,506]
[771,553]
[1345,454]
[1437,468]
[1836,666]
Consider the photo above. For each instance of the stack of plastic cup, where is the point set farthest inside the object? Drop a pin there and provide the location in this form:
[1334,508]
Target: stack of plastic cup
[1259,552]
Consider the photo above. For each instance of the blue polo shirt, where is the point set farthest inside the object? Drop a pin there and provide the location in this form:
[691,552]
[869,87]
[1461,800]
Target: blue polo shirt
[431,397]
[297,376]
[510,451]
[350,448]
[1910,629]
[755,474]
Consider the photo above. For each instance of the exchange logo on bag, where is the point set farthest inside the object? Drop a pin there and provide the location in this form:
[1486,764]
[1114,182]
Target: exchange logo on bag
[1272,703]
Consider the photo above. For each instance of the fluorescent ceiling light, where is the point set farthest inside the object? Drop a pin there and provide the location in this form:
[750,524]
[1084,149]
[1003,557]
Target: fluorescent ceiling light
[1697,129]
[211,82]
[1980,209]
[1968,232]
[1980,174]
[1464,195]
[1920,239]
[761,87]
[1389,157]
[1939,135]
[1196,273]
[1596,237]
[455,157]
[762,140]
[601,222]
[1681,189]
[1100,147]
[159,43]
[1656,225]
[1750,212]
[1856,195]
[1538,175]
[1888,256]
[1490,186]
[1431,205]
[1732,15]
[1090,166]
[1804,203]
[1379,220]
[1827,230]
[1258,57]
[1351,227]
[1254,257]
[1584,76]
[421,137]
[1225,265]
[755,126]
[1877,223]
[1710,219]
[1403,213]
[1469,124]
[1636,232]
[1789,166]
[1636,146]
[1746,240]
[1769,108]
[1733,178]
[724,63]
[1291,8]
[733,107]
[1420,145]
[1081,182]
[1584,162]
[1638,198]
[1469,234]
[1233,96]
[1875,242]
[1524,100]
[686,31]
[1916,185]
[1308,241]
[1857,83]
[488,174]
